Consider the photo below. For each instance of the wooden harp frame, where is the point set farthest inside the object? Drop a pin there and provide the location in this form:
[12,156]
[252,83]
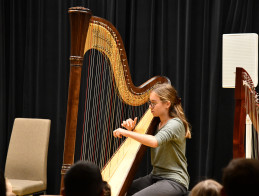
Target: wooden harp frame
[79,22]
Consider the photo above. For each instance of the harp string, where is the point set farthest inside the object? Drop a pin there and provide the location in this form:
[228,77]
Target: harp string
[86,113]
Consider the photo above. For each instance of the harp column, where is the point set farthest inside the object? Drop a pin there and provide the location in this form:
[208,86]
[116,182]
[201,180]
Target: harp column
[79,22]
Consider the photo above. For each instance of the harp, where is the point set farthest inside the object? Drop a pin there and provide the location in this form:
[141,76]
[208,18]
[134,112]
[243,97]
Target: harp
[246,104]
[96,41]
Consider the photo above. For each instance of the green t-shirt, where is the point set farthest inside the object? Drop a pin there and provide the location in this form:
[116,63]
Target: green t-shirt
[168,159]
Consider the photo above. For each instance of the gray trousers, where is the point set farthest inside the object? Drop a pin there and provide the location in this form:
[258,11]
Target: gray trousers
[151,185]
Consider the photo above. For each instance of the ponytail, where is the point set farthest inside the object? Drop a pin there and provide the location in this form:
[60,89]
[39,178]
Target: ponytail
[176,110]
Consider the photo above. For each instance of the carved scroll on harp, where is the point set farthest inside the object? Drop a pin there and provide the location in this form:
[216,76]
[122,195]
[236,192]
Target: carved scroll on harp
[246,99]
[112,88]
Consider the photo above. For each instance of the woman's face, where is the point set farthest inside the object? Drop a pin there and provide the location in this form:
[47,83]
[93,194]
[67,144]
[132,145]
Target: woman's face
[158,107]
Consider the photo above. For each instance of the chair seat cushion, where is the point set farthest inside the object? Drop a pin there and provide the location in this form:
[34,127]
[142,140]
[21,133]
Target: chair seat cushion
[24,187]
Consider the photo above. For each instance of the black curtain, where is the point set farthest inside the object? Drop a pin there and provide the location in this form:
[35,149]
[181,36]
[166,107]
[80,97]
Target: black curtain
[180,39]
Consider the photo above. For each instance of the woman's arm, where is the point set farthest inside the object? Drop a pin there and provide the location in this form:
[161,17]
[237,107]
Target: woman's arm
[148,140]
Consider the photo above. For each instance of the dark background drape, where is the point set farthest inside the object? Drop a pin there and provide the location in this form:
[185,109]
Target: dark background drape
[180,39]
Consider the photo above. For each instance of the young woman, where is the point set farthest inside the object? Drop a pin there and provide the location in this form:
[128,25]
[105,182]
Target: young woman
[169,175]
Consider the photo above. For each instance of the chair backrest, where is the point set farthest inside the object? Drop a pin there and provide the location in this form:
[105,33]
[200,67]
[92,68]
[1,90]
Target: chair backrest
[28,150]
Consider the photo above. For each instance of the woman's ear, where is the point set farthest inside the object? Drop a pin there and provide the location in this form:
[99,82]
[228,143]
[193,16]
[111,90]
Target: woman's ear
[168,104]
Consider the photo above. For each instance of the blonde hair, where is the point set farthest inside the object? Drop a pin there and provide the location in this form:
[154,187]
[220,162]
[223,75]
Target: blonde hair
[207,188]
[167,92]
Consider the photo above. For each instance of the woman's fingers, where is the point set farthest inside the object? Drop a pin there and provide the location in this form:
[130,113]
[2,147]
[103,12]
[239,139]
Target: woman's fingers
[125,123]
[117,133]
[129,123]
[135,121]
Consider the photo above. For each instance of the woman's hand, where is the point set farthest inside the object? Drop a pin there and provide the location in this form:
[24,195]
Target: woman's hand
[148,140]
[119,132]
[129,123]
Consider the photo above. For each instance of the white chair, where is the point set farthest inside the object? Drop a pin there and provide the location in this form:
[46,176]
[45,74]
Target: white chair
[26,162]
